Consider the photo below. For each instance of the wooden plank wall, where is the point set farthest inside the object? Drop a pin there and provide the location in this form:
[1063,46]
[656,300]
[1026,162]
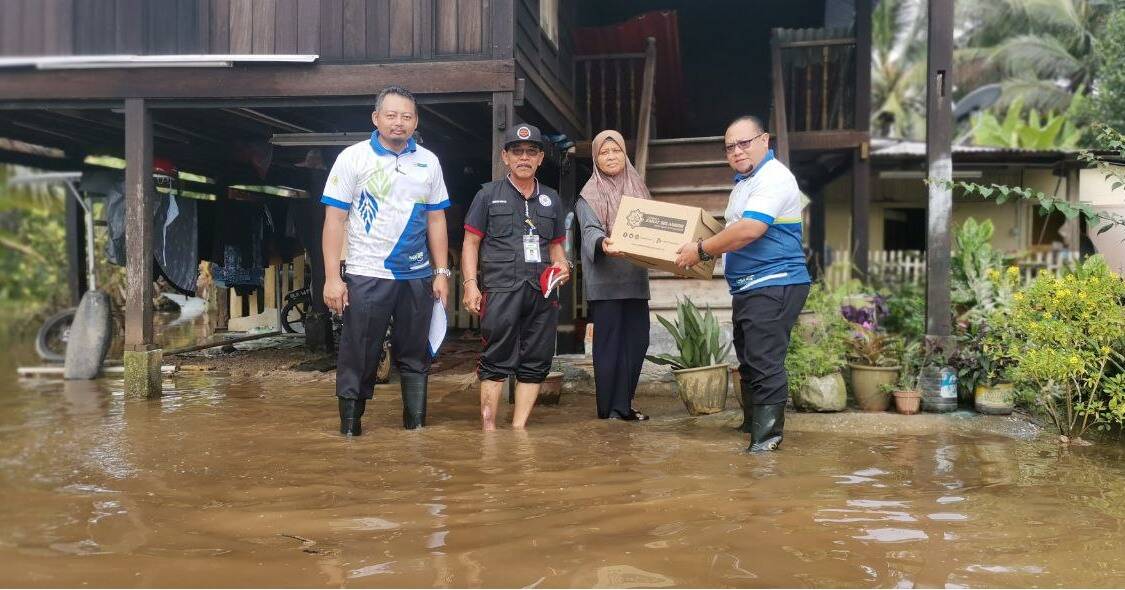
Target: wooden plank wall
[337,30]
[555,65]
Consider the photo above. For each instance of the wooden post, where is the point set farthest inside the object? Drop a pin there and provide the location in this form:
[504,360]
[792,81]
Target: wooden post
[568,192]
[780,121]
[861,162]
[75,250]
[861,205]
[503,113]
[939,161]
[138,222]
[1072,228]
[142,359]
[648,95]
[817,233]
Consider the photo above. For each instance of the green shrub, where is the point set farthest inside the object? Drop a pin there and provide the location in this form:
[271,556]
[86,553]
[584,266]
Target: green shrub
[1062,339]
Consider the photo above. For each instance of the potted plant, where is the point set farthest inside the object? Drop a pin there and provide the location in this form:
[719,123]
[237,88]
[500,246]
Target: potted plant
[907,396]
[874,361]
[817,353]
[700,368]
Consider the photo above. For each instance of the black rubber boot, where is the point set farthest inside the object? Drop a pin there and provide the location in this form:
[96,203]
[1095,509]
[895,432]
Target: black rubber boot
[414,388]
[747,412]
[350,412]
[766,426]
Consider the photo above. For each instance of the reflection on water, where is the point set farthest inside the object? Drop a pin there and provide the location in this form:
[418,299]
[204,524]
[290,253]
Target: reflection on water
[226,482]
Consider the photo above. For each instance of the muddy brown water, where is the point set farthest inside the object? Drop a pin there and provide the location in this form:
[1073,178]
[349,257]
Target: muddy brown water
[245,483]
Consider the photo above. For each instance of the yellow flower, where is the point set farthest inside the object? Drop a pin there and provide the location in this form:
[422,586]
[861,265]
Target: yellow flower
[1070,278]
[1082,295]
[1106,350]
[1093,280]
[994,274]
[1074,360]
[1018,296]
[1014,271]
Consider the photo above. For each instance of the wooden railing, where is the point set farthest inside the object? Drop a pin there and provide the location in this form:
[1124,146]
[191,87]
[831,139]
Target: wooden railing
[814,78]
[617,91]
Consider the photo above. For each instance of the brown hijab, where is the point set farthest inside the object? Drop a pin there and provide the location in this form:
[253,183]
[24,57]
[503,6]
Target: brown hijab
[604,193]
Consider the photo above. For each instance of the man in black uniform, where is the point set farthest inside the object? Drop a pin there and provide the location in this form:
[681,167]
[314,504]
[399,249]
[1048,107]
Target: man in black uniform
[511,223]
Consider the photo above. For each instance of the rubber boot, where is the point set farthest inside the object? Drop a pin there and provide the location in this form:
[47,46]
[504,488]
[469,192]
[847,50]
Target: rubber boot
[747,411]
[350,412]
[414,388]
[766,426]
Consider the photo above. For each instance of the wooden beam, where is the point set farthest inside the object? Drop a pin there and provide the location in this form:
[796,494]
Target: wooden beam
[503,112]
[822,141]
[259,81]
[139,207]
[818,231]
[939,161]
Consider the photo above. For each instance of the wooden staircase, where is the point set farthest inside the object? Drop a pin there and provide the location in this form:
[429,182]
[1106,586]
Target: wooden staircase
[690,171]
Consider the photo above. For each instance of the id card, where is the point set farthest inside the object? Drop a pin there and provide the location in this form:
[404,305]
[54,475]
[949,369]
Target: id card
[531,249]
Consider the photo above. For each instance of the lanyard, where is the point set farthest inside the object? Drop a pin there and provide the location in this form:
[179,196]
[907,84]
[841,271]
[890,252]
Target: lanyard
[527,218]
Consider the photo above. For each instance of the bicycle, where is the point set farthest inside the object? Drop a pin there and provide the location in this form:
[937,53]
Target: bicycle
[297,305]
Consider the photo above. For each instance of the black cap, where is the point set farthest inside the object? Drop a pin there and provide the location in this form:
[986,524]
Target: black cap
[523,133]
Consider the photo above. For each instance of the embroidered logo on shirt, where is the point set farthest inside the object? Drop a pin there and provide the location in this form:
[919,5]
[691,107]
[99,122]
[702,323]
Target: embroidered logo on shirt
[545,200]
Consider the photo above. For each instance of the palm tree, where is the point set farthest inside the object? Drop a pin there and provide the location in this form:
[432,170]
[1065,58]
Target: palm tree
[898,68]
[1041,51]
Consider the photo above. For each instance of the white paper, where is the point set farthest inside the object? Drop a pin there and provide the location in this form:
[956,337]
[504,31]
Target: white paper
[438,325]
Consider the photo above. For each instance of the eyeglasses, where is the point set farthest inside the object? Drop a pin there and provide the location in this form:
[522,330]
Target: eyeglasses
[520,152]
[743,144]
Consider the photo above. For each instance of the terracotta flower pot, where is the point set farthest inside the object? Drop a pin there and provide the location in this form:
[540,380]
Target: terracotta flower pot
[908,402]
[703,390]
[867,387]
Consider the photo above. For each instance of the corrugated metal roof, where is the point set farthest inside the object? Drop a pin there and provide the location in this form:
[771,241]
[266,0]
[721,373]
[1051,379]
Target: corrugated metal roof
[896,148]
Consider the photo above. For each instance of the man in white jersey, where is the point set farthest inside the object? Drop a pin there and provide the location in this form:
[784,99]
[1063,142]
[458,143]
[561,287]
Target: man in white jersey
[388,197]
[766,272]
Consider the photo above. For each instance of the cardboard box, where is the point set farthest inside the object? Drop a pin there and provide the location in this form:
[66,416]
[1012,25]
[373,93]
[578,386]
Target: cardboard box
[649,233]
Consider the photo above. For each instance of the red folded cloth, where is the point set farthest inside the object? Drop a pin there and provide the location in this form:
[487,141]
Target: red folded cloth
[549,280]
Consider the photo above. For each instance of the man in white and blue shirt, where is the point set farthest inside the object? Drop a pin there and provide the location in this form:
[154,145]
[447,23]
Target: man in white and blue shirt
[388,198]
[766,271]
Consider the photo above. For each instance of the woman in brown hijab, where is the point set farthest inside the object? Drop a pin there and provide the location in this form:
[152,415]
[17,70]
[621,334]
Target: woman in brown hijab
[616,291]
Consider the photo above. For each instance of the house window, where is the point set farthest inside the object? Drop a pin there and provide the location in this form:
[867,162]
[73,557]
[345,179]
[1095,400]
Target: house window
[549,20]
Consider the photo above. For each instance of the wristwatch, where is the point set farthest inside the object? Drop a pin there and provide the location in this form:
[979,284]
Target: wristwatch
[445,272]
[703,255]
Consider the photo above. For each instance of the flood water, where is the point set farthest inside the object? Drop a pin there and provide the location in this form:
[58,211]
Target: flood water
[224,483]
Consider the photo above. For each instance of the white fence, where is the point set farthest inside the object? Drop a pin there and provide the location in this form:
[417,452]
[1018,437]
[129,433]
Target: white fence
[897,267]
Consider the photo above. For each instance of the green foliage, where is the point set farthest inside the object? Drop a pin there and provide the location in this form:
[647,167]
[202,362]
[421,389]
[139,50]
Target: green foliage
[906,311]
[818,347]
[1062,338]
[978,287]
[898,69]
[1107,104]
[1037,132]
[698,338]
[874,348]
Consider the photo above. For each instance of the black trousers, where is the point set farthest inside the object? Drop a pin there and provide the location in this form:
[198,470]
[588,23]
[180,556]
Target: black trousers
[372,303]
[518,328]
[620,343]
[763,319]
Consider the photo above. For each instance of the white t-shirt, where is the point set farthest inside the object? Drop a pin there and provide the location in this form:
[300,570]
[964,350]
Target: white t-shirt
[769,194]
[387,196]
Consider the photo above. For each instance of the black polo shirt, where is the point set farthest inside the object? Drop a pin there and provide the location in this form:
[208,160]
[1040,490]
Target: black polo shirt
[499,214]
